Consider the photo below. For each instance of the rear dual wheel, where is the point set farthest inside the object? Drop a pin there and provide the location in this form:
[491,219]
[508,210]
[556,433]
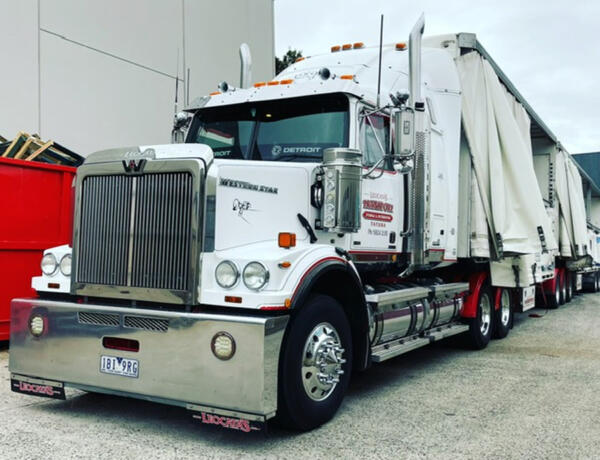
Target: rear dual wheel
[569,287]
[503,317]
[553,298]
[480,327]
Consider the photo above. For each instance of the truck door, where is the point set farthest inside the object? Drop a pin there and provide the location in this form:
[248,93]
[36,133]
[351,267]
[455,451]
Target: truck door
[378,239]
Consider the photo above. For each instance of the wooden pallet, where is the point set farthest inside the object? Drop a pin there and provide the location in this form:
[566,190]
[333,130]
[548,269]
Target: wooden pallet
[31,148]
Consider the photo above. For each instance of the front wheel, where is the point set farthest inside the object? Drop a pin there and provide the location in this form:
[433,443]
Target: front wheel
[315,365]
[480,327]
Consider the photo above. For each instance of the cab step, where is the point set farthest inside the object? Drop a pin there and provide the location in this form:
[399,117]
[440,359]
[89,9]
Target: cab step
[398,347]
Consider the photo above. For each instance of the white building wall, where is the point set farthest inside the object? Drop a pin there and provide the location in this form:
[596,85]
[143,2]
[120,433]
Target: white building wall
[106,69]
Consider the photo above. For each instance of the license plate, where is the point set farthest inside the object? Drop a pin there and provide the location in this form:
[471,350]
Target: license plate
[116,365]
[36,387]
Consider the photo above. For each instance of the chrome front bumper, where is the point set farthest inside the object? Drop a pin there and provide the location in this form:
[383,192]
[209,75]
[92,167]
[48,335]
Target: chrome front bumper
[176,363]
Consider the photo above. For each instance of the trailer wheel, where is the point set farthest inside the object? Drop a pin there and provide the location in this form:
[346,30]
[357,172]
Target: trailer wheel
[563,287]
[553,299]
[480,327]
[569,284]
[315,364]
[503,317]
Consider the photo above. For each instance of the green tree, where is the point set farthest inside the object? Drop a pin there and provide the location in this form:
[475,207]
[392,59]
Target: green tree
[288,59]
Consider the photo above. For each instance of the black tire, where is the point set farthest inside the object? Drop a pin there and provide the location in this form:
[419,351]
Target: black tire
[503,317]
[569,284]
[563,288]
[480,334]
[296,409]
[553,298]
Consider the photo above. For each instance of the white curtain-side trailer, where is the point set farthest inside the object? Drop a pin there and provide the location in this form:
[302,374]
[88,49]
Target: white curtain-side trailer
[364,203]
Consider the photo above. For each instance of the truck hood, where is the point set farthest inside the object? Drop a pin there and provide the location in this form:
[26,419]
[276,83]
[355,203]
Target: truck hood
[256,200]
[154,152]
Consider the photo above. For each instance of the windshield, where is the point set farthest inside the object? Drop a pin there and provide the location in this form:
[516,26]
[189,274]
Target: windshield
[280,130]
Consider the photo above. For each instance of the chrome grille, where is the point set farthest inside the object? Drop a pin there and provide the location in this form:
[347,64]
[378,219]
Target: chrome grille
[136,231]
[162,231]
[104,236]
[149,324]
[100,319]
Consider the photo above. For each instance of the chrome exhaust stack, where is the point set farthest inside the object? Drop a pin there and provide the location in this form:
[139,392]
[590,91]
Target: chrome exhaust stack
[246,66]
[418,199]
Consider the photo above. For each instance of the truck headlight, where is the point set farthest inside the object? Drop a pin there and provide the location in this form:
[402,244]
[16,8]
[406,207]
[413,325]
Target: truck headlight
[49,264]
[65,265]
[255,276]
[226,274]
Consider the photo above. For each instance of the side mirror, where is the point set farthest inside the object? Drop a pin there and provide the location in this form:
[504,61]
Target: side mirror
[180,126]
[404,124]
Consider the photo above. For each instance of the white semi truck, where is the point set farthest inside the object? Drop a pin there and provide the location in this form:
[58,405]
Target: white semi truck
[364,203]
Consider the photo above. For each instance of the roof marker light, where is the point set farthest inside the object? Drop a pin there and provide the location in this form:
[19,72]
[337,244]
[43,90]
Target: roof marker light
[301,58]
[346,46]
[259,84]
[215,93]
[400,46]
[347,77]
[273,83]
[358,45]
[287,82]
[335,48]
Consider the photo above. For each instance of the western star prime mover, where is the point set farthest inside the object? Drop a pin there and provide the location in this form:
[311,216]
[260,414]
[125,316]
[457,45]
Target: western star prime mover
[364,203]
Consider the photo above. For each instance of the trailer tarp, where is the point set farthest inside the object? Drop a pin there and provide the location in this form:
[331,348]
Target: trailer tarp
[497,128]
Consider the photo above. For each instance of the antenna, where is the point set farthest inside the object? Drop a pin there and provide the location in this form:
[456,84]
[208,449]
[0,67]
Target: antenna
[380,52]
[176,82]
[187,81]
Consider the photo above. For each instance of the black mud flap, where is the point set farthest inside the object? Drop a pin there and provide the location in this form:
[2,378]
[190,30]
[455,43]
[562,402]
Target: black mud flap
[37,387]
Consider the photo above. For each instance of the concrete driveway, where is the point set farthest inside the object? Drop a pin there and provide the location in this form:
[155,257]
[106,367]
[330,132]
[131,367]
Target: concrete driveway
[535,394]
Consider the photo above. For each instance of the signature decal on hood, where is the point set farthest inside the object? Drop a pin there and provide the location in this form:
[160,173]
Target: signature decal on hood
[241,206]
[246,185]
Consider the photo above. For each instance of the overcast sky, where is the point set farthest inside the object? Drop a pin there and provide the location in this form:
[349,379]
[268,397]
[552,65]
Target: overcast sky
[549,49]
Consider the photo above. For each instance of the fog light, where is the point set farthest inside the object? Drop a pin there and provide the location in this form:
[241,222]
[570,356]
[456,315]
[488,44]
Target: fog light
[36,325]
[223,346]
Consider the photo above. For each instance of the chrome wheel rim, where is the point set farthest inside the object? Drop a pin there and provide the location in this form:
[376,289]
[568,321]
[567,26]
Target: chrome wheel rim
[486,314]
[564,290]
[557,293]
[505,308]
[322,360]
